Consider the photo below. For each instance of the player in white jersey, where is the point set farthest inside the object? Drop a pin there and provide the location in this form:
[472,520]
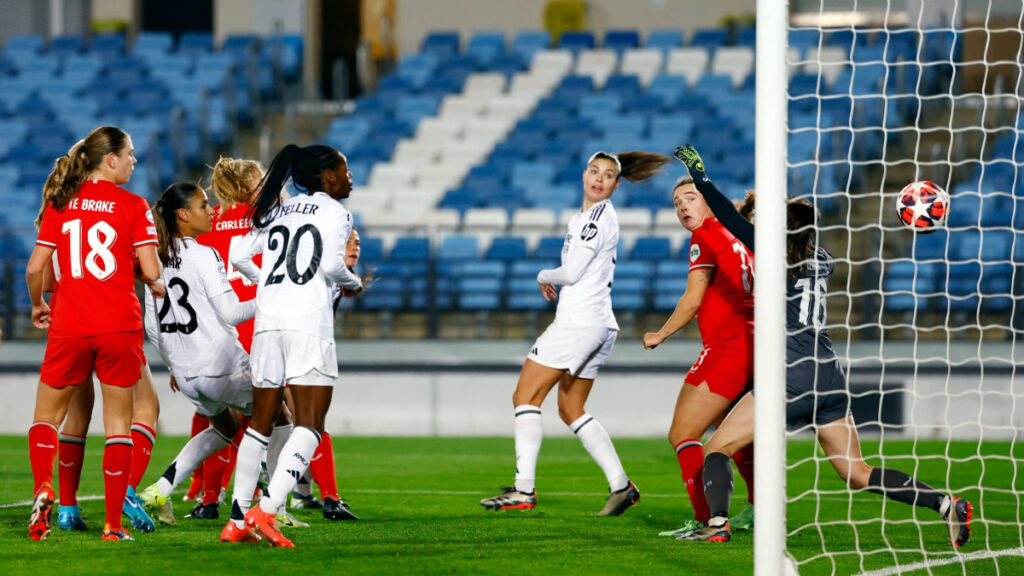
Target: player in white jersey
[303,244]
[192,327]
[574,347]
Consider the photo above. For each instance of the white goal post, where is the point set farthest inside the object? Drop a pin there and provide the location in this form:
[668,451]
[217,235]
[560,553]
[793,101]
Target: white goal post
[770,289]
[855,99]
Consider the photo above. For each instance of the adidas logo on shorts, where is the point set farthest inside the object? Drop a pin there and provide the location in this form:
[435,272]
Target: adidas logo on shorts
[534,351]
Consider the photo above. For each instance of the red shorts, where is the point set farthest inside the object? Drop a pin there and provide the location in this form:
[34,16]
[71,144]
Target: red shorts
[729,372]
[116,357]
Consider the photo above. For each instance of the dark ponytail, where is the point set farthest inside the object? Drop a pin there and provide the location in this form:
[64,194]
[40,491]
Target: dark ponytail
[800,218]
[303,165]
[638,166]
[176,196]
[746,208]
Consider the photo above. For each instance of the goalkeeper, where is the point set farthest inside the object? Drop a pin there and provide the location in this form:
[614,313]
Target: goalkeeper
[815,383]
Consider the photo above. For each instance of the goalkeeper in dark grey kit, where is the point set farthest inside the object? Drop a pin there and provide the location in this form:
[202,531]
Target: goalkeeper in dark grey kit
[815,383]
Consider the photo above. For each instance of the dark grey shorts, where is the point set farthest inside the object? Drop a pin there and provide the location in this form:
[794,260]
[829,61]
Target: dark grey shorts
[816,393]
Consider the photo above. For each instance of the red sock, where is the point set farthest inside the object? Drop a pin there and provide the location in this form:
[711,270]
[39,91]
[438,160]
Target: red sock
[143,437]
[243,423]
[213,473]
[322,468]
[69,471]
[42,450]
[117,464]
[691,462]
[744,460]
[199,423]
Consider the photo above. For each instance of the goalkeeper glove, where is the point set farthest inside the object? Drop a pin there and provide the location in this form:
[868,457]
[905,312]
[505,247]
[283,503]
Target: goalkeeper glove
[690,158]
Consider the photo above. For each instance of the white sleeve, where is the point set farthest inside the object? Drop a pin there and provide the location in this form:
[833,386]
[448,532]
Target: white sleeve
[242,253]
[230,310]
[152,321]
[569,273]
[334,250]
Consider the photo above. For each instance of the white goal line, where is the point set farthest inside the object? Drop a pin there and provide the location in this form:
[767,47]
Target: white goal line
[958,559]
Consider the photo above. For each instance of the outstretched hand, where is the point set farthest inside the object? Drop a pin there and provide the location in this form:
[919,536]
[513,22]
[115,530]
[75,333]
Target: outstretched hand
[690,158]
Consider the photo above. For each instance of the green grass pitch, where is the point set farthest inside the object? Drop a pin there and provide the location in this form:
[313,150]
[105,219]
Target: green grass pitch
[418,501]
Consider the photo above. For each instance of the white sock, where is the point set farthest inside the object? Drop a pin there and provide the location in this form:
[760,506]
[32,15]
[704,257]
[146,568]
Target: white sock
[278,437]
[597,442]
[199,448]
[295,457]
[251,453]
[304,487]
[529,434]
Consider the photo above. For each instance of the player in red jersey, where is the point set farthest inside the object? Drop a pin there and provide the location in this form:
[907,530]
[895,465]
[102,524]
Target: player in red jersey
[98,231]
[720,294]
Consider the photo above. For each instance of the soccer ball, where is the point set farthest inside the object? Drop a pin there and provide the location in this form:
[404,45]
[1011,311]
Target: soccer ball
[922,206]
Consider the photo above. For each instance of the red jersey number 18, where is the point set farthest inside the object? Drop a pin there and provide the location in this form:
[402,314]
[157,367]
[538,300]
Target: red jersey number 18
[99,261]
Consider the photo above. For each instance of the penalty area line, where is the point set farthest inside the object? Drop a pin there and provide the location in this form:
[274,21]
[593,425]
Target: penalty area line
[957,559]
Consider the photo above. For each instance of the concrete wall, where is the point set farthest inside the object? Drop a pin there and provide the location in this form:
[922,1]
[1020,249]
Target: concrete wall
[464,388]
[416,17]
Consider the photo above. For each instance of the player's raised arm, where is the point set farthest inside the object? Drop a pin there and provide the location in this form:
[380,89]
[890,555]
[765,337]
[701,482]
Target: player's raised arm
[722,207]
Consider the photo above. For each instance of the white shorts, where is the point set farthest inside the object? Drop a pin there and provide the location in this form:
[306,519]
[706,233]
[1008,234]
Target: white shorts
[212,395]
[286,356]
[581,350]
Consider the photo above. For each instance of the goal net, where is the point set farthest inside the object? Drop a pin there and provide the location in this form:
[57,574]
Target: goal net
[882,93]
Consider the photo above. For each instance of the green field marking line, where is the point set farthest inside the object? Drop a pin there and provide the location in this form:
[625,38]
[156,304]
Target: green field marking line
[958,559]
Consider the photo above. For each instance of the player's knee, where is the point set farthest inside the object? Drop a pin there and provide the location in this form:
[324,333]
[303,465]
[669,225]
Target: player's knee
[569,414]
[858,475]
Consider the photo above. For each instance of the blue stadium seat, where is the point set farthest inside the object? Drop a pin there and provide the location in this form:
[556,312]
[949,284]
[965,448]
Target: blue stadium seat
[710,38]
[664,39]
[549,248]
[524,299]
[153,42]
[747,36]
[109,45]
[576,42]
[668,87]
[507,249]
[713,85]
[621,40]
[66,45]
[411,249]
[241,47]
[196,43]
[941,45]
[21,45]
[529,42]
[804,38]
[486,47]
[633,269]
[629,293]
[601,104]
[626,86]
[442,44]
[967,211]
[458,248]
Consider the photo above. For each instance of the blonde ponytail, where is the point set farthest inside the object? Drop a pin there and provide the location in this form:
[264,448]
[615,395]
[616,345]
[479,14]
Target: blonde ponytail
[233,180]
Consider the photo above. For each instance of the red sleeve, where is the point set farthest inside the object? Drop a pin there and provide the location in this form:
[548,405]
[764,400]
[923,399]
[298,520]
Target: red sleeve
[701,255]
[143,225]
[48,232]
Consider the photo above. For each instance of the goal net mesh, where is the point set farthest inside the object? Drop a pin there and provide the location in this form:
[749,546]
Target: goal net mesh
[882,94]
